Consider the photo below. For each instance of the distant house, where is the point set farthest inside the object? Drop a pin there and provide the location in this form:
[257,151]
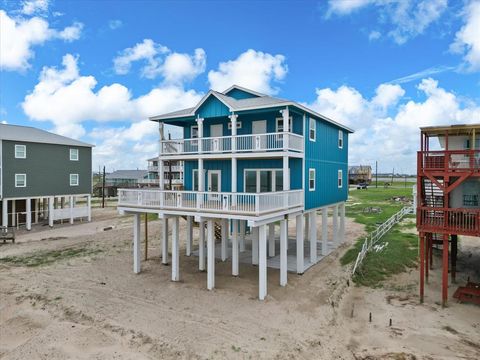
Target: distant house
[173,174]
[358,174]
[40,173]
[122,179]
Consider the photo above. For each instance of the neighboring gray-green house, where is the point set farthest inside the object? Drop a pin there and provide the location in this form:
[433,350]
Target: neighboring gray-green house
[43,176]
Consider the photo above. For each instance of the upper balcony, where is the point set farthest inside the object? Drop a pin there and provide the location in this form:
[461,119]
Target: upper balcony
[451,161]
[449,221]
[251,143]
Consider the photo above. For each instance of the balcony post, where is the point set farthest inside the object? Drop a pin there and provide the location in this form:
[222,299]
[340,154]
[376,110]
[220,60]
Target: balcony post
[233,119]
[200,134]
[161,174]
[286,174]
[286,124]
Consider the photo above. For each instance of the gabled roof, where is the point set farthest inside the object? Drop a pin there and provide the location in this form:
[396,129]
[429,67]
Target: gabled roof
[34,135]
[261,102]
[242,89]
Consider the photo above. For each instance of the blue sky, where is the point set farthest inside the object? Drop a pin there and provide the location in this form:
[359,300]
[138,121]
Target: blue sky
[95,70]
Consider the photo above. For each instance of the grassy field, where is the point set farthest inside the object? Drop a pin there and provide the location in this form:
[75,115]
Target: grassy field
[372,207]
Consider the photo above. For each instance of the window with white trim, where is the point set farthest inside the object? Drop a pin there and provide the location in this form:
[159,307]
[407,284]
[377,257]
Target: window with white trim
[195,180]
[340,139]
[239,125]
[73,179]
[20,180]
[311,179]
[194,132]
[20,151]
[279,124]
[340,178]
[73,154]
[312,129]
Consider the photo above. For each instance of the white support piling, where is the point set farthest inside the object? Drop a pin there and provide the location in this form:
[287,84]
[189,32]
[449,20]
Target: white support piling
[136,242]
[165,240]
[210,256]
[175,250]
[325,231]
[262,262]
[89,208]
[342,223]
[255,245]
[188,245]
[312,222]
[283,251]
[50,211]
[4,212]
[201,245]
[70,204]
[300,244]
[235,248]
[37,209]
[271,239]
[335,225]
[224,244]
[243,225]
[28,209]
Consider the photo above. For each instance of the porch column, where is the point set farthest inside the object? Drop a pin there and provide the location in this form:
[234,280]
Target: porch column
[255,245]
[271,239]
[286,125]
[286,174]
[89,208]
[70,203]
[235,267]
[233,119]
[283,251]
[335,225]
[262,266]
[4,212]
[175,250]
[28,209]
[210,256]
[161,175]
[243,225]
[200,134]
[325,231]
[161,180]
[189,235]
[224,246]
[201,183]
[165,240]
[300,245]
[342,223]
[50,211]
[312,221]
[201,245]
[136,242]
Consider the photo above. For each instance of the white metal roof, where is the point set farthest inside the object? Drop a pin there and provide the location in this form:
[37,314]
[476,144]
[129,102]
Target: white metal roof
[31,134]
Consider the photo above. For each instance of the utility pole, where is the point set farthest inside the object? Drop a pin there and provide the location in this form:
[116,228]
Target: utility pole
[103,189]
[376,174]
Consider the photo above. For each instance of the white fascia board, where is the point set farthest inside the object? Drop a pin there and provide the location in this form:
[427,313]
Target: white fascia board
[243,89]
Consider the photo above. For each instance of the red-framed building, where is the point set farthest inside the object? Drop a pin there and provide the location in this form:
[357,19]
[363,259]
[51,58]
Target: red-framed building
[448,194]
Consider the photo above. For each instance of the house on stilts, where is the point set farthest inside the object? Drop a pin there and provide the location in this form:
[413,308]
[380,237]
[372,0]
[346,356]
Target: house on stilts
[448,195]
[252,163]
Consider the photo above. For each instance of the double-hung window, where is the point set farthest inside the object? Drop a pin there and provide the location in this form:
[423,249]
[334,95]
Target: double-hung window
[73,154]
[279,124]
[340,178]
[312,129]
[20,180]
[311,179]
[340,139]
[73,179]
[20,151]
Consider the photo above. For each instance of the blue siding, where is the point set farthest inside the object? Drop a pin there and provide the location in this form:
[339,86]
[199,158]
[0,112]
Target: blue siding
[326,158]
[212,107]
[240,94]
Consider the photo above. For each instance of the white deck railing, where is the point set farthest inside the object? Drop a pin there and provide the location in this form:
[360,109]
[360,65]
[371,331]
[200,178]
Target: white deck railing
[232,203]
[238,143]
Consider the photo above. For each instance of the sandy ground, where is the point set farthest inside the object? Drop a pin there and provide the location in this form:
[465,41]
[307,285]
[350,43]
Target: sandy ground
[94,307]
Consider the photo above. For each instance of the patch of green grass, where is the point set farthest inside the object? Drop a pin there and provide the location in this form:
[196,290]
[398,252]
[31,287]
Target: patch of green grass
[47,257]
[399,255]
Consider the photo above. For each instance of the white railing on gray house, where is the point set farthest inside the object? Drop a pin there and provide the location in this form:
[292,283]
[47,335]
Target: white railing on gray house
[206,201]
[378,233]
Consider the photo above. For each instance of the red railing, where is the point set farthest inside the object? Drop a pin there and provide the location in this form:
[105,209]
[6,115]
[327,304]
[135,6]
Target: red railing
[453,221]
[451,161]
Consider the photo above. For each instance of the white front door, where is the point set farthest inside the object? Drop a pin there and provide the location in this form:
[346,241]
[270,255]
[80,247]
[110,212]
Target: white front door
[214,183]
[216,131]
[259,127]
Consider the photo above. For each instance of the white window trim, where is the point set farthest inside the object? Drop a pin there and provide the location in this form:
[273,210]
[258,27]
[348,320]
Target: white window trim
[257,178]
[16,181]
[239,125]
[340,177]
[191,131]
[193,180]
[290,123]
[314,179]
[78,154]
[24,151]
[314,122]
[340,139]
[78,180]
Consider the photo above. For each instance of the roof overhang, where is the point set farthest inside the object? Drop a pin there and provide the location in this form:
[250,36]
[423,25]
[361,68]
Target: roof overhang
[463,129]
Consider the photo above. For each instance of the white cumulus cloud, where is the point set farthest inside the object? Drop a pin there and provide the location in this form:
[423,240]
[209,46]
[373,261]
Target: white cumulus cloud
[255,70]
[18,36]
[31,7]
[467,39]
